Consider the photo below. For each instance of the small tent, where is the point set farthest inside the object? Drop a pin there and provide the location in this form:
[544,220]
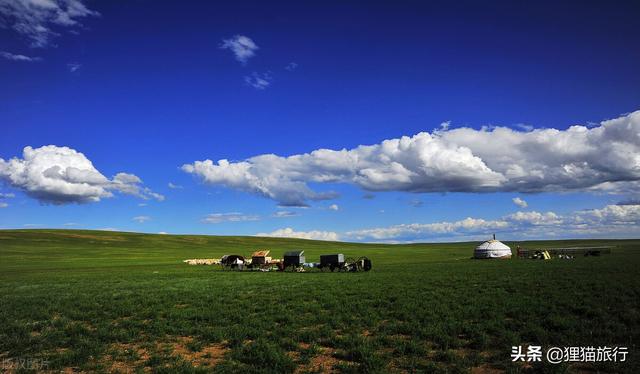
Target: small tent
[492,249]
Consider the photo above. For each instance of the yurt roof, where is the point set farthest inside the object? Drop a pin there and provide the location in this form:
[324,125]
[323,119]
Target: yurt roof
[493,245]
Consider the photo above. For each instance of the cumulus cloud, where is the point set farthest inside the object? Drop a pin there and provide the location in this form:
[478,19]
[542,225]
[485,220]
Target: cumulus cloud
[37,20]
[535,218]
[605,157]
[312,235]
[611,214]
[3,204]
[262,180]
[61,175]
[141,219]
[578,158]
[14,57]
[174,186]
[243,47]
[229,217]
[334,207]
[258,81]
[519,202]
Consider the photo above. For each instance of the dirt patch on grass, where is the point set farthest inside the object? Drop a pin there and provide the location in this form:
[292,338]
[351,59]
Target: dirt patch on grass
[128,357]
[124,358]
[209,355]
[323,362]
[462,352]
[213,354]
[489,354]
[486,369]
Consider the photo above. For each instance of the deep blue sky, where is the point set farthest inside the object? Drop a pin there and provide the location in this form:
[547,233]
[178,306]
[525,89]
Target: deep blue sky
[155,91]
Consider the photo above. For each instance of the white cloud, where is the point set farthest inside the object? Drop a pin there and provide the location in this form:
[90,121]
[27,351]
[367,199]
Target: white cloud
[3,204]
[261,180]
[535,218]
[141,219]
[61,175]
[285,214]
[73,66]
[334,207]
[467,225]
[14,57]
[519,202]
[7,195]
[174,186]
[611,214]
[36,19]
[609,221]
[163,233]
[243,47]
[258,81]
[229,217]
[312,235]
[600,158]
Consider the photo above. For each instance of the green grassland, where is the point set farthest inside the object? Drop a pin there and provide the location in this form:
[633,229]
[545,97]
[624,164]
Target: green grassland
[110,301]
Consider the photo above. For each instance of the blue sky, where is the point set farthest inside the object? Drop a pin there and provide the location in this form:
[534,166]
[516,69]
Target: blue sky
[149,89]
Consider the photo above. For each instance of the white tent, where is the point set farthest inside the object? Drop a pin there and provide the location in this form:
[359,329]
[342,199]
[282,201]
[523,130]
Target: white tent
[492,249]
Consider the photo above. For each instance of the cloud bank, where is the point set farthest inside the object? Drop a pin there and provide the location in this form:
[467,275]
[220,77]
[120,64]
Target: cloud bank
[601,158]
[312,235]
[37,19]
[61,175]
[609,221]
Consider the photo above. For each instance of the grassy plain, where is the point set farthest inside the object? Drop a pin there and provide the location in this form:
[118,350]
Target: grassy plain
[110,301]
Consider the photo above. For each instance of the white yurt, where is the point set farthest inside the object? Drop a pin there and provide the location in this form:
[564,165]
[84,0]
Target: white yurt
[492,249]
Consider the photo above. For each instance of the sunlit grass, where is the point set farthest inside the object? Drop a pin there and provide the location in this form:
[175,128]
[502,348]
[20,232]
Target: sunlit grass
[104,301]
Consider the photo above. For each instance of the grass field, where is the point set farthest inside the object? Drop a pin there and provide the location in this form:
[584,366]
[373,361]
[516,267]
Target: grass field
[109,301]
